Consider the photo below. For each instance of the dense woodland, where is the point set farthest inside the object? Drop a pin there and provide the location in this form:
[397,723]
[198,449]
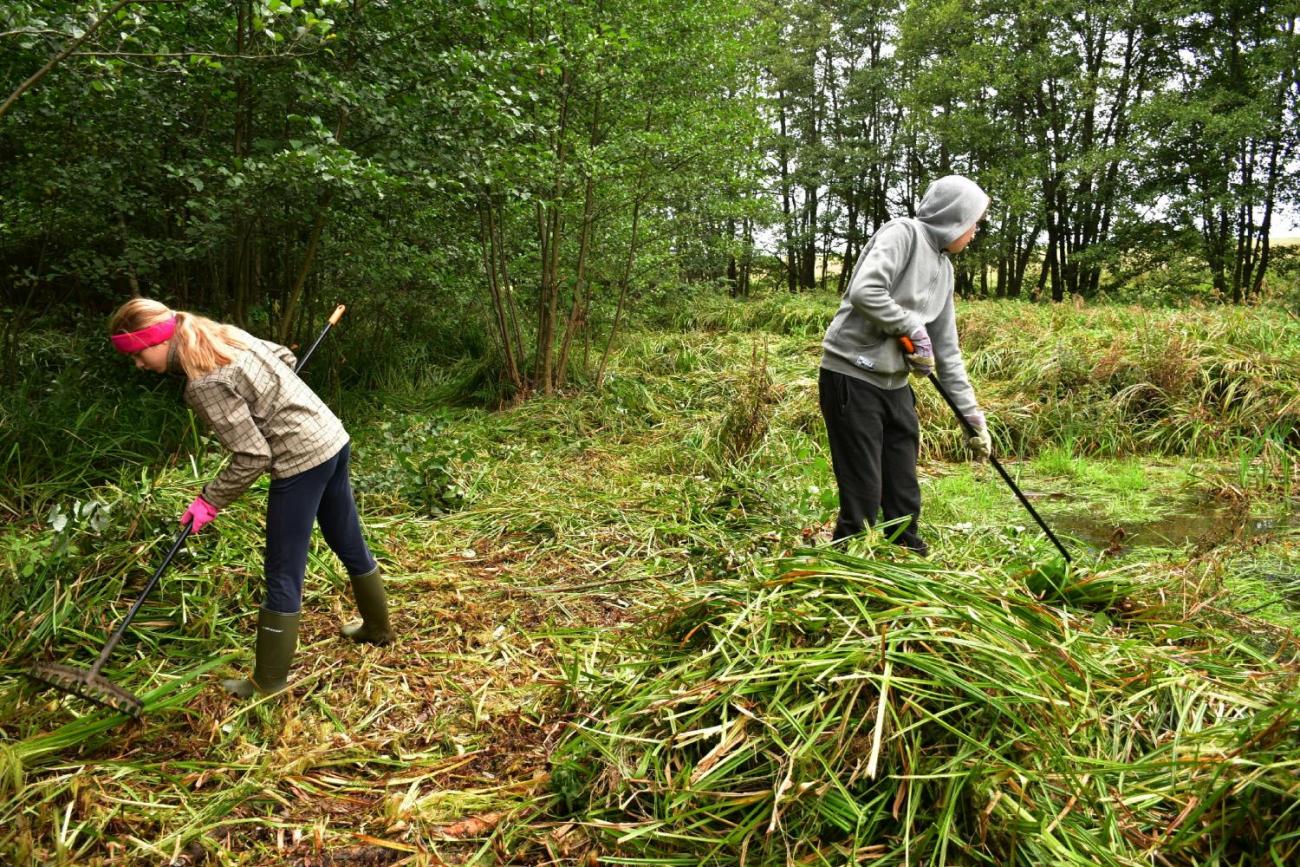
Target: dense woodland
[510,180]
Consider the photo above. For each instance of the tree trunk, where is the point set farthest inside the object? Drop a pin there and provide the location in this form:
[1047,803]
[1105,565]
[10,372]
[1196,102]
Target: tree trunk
[242,230]
[791,267]
[623,282]
[578,309]
[552,228]
[487,234]
[308,257]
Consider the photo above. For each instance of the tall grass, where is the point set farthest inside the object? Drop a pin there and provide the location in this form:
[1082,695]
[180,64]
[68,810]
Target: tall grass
[1124,380]
[1114,380]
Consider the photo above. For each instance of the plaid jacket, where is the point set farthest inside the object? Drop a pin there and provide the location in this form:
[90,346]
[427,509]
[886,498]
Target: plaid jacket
[266,416]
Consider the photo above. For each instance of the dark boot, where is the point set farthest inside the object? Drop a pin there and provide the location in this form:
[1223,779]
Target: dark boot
[277,640]
[372,602]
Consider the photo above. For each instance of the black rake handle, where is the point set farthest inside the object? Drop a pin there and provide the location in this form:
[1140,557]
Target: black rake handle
[970,431]
[333,320]
[139,600]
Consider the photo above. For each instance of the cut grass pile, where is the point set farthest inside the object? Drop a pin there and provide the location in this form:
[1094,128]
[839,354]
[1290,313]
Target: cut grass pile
[845,709]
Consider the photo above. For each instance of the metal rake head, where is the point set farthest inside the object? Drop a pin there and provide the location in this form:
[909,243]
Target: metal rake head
[90,685]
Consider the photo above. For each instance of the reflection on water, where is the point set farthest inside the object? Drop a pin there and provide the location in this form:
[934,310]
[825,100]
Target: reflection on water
[1198,527]
[1204,528]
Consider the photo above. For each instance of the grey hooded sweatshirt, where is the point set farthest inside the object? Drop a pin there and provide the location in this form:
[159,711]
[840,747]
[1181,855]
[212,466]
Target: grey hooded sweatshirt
[903,280]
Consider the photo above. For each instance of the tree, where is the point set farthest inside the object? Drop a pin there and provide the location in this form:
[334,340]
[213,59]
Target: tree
[499,171]
[1225,135]
[630,146]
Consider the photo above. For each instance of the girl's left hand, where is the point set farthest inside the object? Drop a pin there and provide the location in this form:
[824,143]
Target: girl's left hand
[201,512]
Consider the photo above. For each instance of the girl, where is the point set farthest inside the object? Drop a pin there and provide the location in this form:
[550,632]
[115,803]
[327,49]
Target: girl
[245,389]
[902,286]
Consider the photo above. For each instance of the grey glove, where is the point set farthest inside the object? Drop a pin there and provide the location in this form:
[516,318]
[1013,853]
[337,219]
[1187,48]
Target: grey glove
[981,444]
[920,360]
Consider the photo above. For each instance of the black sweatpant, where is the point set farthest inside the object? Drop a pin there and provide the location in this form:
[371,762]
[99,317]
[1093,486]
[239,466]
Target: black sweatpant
[321,495]
[874,438]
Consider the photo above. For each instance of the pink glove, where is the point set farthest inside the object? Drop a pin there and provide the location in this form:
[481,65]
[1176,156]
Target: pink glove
[201,511]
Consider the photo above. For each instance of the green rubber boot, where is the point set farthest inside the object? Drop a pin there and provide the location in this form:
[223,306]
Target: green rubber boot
[277,639]
[372,602]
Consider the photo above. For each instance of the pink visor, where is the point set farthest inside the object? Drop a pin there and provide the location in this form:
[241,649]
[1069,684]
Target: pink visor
[134,341]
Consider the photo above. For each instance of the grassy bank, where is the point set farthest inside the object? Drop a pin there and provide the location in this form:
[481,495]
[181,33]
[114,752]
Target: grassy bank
[541,557]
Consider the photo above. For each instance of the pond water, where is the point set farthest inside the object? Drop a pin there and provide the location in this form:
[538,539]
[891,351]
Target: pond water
[1206,526]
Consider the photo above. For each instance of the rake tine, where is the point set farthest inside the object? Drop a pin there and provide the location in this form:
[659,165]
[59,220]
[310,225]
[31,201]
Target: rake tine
[92,687]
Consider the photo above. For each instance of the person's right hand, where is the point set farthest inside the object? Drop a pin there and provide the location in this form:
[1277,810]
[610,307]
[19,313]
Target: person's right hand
[981,443]
[920,358]
[201,512]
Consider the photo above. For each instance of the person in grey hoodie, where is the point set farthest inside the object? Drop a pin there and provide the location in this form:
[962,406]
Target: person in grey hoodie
[902,286]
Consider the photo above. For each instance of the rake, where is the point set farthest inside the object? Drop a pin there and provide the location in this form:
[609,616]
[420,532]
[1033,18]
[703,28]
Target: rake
[89,683]
[970,431]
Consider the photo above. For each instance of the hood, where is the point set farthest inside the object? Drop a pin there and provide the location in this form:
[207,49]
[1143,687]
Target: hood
[950,206]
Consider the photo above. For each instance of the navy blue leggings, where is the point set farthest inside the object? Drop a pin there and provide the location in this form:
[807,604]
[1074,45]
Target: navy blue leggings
[323,495]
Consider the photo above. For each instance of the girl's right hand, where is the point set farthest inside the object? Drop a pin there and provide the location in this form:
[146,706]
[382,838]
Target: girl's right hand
[201,512]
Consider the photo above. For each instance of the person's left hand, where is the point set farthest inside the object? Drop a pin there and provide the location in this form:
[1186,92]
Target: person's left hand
[981,444]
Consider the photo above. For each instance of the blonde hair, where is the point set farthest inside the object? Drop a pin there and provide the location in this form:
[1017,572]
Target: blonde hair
[201,344]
